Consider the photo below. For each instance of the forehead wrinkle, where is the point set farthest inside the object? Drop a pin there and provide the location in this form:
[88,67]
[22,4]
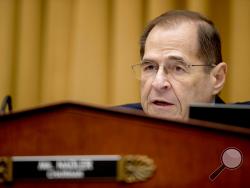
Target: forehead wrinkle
[164,57]
[175,41]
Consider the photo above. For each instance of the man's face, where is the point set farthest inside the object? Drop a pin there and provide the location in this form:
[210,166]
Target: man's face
[166,96]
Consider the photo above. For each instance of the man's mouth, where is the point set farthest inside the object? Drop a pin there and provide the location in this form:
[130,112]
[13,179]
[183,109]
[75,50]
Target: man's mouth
[162,103]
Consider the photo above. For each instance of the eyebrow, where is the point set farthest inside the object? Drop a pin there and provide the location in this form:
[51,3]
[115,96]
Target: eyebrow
[171,57]
[177,58]
[148,61]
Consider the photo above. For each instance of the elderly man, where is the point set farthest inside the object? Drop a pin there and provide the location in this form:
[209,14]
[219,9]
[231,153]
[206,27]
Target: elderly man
[181,64]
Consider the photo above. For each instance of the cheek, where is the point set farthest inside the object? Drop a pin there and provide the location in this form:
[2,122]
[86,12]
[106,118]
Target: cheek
[184,93]
[202,85]
[145,89]
[192,90]
[180,92]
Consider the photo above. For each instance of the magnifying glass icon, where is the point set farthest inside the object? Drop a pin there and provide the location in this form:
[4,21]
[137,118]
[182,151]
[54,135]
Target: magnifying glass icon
[231,158]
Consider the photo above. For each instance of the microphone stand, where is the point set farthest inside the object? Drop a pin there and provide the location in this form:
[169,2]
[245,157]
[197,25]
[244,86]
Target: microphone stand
[6,102]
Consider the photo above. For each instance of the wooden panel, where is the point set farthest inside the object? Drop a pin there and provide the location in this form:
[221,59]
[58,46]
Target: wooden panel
[185,153]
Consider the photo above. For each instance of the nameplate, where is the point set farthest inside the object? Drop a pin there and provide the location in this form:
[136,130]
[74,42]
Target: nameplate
[84,167]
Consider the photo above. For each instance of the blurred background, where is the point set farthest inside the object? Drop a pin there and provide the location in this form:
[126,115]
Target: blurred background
[82,50]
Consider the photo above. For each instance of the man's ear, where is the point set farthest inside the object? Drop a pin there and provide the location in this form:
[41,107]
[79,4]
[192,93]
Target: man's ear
[218,75]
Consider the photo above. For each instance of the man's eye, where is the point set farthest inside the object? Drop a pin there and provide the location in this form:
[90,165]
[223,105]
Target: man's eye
[179,69]
[149,67]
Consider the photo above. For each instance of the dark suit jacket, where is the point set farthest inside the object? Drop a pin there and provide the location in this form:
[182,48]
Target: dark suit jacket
[137,106]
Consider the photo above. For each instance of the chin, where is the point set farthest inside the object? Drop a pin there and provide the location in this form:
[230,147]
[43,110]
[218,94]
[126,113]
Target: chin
[164,114]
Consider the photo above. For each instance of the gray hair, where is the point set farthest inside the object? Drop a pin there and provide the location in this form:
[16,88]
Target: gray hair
[209,49]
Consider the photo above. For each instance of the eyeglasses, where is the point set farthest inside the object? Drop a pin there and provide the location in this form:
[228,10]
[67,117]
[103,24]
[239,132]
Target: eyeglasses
[179,70]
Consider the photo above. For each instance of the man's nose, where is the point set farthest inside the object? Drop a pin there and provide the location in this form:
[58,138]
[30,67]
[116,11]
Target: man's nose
[161,80]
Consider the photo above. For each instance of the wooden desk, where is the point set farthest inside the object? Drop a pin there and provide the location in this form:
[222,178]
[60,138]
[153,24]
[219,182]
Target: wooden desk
[185,153]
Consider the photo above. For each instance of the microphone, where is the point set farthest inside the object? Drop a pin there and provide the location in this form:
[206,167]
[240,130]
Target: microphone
[6,102]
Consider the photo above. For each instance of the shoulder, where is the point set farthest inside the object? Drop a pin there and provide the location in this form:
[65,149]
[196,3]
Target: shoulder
[218,100]
[243,103]
[135,106]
